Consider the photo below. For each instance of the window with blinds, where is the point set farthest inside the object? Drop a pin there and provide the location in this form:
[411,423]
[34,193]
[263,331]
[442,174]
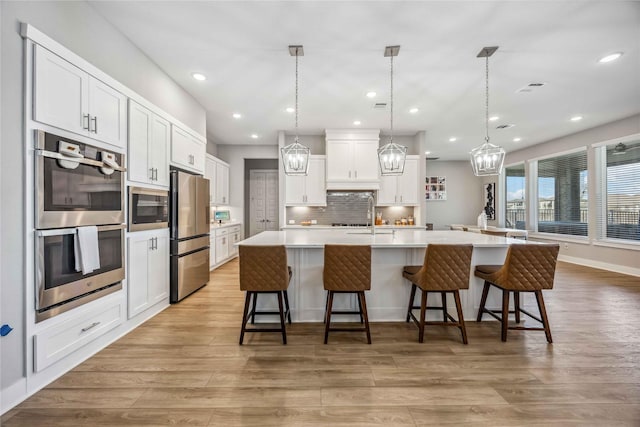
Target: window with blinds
[562,194]
[515,197]
[623,191]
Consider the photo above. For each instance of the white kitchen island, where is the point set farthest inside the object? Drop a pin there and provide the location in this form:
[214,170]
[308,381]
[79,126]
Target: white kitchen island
[389,295]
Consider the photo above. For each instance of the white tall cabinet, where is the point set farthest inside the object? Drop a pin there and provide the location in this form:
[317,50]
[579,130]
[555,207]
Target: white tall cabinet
[309,190]
[352,159]
[401,190]
[148,269]
[217,172]
[149,138]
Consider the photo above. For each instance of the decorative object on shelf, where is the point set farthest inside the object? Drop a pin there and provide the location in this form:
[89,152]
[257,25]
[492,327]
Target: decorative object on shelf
[487,159]
[490,200]
[295,156]
[392,156]
[435,188]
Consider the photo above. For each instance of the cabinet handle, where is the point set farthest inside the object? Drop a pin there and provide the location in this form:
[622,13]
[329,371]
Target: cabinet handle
[151,170]
[349,174]
[91,326]
[87,118]
[400,199]
[224,199]
[356,174]
[155,176]
[95,124]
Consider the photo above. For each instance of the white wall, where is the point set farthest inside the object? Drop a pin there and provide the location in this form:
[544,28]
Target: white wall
[81,29]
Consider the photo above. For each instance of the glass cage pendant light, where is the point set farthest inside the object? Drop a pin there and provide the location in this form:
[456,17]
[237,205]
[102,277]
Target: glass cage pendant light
[295,156]
[392,156]
[488,158]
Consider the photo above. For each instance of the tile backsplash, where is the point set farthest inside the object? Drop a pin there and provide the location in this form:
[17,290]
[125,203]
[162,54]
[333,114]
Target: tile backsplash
[349,207]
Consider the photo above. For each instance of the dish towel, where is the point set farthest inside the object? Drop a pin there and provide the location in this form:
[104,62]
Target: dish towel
[86,251]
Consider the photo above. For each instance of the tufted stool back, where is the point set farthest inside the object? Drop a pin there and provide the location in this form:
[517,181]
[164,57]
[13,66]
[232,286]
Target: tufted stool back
[263,268]
[445,268]
[527,268]
[347,268]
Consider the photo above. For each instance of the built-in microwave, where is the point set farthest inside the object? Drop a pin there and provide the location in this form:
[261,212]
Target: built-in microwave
[148,208]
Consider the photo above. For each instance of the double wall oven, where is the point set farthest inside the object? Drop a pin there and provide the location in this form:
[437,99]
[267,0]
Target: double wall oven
[76,185]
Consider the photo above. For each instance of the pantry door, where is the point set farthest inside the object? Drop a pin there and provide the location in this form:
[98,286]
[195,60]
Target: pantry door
[263,208]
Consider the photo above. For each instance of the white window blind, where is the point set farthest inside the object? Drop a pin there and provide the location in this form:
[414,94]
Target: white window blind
[622,191]
[515,197]
[562,194]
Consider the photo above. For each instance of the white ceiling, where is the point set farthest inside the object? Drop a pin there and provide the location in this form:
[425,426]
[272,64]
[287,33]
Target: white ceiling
[242,49]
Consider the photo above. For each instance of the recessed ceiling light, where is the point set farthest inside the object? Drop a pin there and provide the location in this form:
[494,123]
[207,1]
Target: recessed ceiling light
[371,94]
[237,115]
[453,139]
[493,118]
[517,139]
[427,153]
[413,110]
[576,118]
[199,76]
[357,122]
[610,58]
[290,110]
[254,136]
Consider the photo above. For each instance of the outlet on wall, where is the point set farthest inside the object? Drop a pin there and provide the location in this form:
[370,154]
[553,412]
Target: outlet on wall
[566,246]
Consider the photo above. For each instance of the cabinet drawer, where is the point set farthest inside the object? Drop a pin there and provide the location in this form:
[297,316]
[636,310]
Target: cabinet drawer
[58,341]
[222,232]
[234,229]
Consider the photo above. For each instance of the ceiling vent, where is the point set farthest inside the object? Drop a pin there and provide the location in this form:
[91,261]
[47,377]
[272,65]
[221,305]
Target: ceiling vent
[505,126]
[530,87]
[536,84]
[432,158]
[379,105]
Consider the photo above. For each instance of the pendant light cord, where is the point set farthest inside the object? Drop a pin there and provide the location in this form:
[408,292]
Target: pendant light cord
[487,98]
[296,107]
[391,136]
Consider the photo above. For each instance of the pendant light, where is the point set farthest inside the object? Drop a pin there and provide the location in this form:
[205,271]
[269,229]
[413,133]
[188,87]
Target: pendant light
[487,159]
[392,156]
[295,156]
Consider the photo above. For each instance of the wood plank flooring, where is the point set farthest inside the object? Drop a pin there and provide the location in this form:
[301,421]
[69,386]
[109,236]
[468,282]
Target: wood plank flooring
[184,367]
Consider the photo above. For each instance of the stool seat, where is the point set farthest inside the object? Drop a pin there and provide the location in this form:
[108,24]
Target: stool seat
[485,271]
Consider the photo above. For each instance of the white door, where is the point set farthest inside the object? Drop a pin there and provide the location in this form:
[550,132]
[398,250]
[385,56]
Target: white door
[316,184]
[108,110]
[263,206]
[159,150]
[408,183]
[339,161]
[137,284]
[387,195]
[139,136]
[210,174]
[295,189]
[365,160]
[222,184]
[158,276]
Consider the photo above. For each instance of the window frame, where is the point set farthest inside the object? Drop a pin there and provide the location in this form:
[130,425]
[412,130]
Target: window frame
[503,206]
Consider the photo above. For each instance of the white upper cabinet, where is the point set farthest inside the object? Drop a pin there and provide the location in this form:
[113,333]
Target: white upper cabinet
[309,190]
[401,190]
[149,137]
[210,174]
[187,151]
[352,160]
[69,98]
[218,173]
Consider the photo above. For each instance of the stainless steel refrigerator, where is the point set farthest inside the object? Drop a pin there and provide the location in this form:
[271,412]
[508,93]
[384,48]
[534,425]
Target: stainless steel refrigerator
[189,219]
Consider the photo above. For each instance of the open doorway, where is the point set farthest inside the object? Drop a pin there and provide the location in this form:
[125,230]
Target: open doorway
[261,195]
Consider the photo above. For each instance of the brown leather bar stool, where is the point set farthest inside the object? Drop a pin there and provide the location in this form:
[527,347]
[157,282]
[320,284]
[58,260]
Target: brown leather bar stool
[494,233]
[446,269]
[264,270]
[347,269]
[527,268]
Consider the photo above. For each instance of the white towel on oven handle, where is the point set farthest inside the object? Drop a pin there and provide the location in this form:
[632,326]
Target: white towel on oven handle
[86,251]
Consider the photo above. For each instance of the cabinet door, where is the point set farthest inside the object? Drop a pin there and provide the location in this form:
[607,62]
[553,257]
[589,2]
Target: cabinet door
[210,174]
[140,118]
[199,150]
[339,161]
[222,248]
[137,284]
[295,189]
[108,110]
[159,149]
[180,147]
[316,184]
[212,250]
[365,160]
[222,184]
[408,183]
[61,93]
[233,239]
[158,268]
[387,195]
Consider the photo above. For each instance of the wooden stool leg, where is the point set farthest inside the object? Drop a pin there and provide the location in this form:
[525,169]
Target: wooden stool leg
[411,298]
[543,316]
[284,331]
[326,306]
[253,310]
[444,306]
[463,329]
[516,305]
[245,316]
[423,311]
[505,314]
[286,304]
[328,316]
[360,306]
[483,300]
[363,305]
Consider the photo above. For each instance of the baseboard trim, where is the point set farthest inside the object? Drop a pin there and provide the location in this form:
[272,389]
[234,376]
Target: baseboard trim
[601,265]
[13,395]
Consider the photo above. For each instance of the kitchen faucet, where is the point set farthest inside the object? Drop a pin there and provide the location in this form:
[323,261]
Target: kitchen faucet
[371,202]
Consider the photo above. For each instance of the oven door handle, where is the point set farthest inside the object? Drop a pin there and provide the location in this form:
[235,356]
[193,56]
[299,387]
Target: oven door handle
[84,161]
[63,231]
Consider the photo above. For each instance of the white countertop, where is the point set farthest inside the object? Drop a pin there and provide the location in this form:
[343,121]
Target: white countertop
[330,227]
[215,225]
[382,239]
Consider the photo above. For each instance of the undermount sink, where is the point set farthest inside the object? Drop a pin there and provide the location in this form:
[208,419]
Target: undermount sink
[369,232]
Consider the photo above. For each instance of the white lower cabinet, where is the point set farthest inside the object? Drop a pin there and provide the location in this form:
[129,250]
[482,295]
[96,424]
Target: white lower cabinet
[148,269]
[234,237]
[223,239]
[212,250]
[222,245]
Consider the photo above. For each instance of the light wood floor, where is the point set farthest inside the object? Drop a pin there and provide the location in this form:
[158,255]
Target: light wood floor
[184,367]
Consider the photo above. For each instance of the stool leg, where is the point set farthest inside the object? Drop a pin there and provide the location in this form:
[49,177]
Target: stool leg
[326,306]
[444,306]
[483,301]
[360,306]
[363,305]
[328,316]
[245,315]
[463,329]
[423,311]
[284,331]
[505,314]
[543,316]
[516,305]
[411,298]
[253,310]
[286,304]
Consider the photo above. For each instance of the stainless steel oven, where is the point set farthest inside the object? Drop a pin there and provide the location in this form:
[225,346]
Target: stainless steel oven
[59,286]
[77,184]
[148,209]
